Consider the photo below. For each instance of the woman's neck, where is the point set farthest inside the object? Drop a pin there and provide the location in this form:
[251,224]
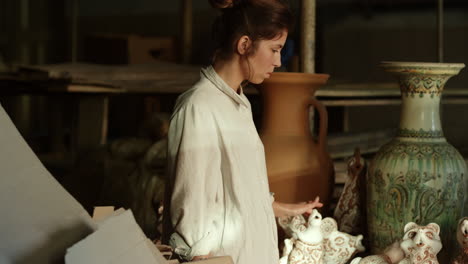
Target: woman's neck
[231,73]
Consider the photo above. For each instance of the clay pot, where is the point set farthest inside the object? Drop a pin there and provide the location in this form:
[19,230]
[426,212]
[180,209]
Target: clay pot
[299,167]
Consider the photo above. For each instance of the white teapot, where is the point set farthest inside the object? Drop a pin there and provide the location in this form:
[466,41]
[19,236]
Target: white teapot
[317,241]
[305,246]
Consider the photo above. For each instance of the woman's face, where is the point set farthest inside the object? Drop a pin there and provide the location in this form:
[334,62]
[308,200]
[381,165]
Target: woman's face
[266,58]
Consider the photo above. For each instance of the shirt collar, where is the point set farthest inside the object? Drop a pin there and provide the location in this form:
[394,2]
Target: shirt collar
[211,75]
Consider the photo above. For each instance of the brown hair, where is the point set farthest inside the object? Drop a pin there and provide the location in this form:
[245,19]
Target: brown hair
[257,19]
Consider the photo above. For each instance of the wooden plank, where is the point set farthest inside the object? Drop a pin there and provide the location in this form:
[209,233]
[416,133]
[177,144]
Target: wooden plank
[454,101]
[360,102]
[82,71]
[344,144]
[382,102]
[11,83]
[144,78]
[83,88]
[166,77]
[341,171]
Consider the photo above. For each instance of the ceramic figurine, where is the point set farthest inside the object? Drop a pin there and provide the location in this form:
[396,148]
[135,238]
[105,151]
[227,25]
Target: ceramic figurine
[420,245]
[317,241]
[285,223]
[462,238]
[304,253]
[392,255]
[462,232]
[288,247]
[312,233]
[349,211]
[339,247]
[308,247]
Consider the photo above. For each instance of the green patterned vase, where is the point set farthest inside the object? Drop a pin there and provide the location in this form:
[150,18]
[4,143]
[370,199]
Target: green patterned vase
[418,176]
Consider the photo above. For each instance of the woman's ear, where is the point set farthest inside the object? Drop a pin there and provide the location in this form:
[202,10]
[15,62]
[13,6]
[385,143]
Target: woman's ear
[243,45]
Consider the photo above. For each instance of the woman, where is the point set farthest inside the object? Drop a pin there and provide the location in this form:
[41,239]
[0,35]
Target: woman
[218,201]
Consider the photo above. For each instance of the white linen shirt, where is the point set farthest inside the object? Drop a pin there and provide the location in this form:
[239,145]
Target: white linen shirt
[219,198]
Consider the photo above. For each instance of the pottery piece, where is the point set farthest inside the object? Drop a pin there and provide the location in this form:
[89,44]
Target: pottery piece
[462,232]
[349,211]
[303,253]
[299,167]
[339,247]
[374,259]
[393,254]
[462,238]
[312,233]
[306,246]
[288,247]
[318,241]
[420,245]
[418,176]
[286,224]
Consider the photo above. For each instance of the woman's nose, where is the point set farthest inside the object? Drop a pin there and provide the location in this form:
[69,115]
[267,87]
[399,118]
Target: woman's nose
[277,62]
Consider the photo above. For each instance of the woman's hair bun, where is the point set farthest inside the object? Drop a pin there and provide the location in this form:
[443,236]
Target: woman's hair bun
[221,4]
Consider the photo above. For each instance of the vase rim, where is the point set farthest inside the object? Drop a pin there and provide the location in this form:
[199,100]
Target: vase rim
[297,77]
[414,64]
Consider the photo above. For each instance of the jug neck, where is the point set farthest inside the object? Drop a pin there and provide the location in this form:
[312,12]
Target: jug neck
[420,117]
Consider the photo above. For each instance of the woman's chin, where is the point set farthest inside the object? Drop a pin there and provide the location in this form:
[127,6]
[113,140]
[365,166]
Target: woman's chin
[257,80]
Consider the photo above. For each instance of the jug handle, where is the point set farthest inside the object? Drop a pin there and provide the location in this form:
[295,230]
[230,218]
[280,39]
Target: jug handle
[323,122]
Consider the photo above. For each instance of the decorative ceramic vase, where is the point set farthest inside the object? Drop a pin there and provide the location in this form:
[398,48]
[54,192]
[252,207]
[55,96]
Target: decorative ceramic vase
[299,167]
[418,176]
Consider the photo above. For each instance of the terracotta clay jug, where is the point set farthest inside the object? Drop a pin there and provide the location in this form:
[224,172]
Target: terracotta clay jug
[299,167]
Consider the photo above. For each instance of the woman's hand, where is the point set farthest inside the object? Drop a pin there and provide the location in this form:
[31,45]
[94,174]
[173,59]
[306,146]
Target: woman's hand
[288,209]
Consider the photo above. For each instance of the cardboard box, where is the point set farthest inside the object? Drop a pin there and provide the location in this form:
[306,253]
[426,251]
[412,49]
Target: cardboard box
[129,49]
[118,232]
[117,240]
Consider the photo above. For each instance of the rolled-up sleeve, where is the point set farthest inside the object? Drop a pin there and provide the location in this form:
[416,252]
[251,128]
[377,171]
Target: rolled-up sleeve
[197,199]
